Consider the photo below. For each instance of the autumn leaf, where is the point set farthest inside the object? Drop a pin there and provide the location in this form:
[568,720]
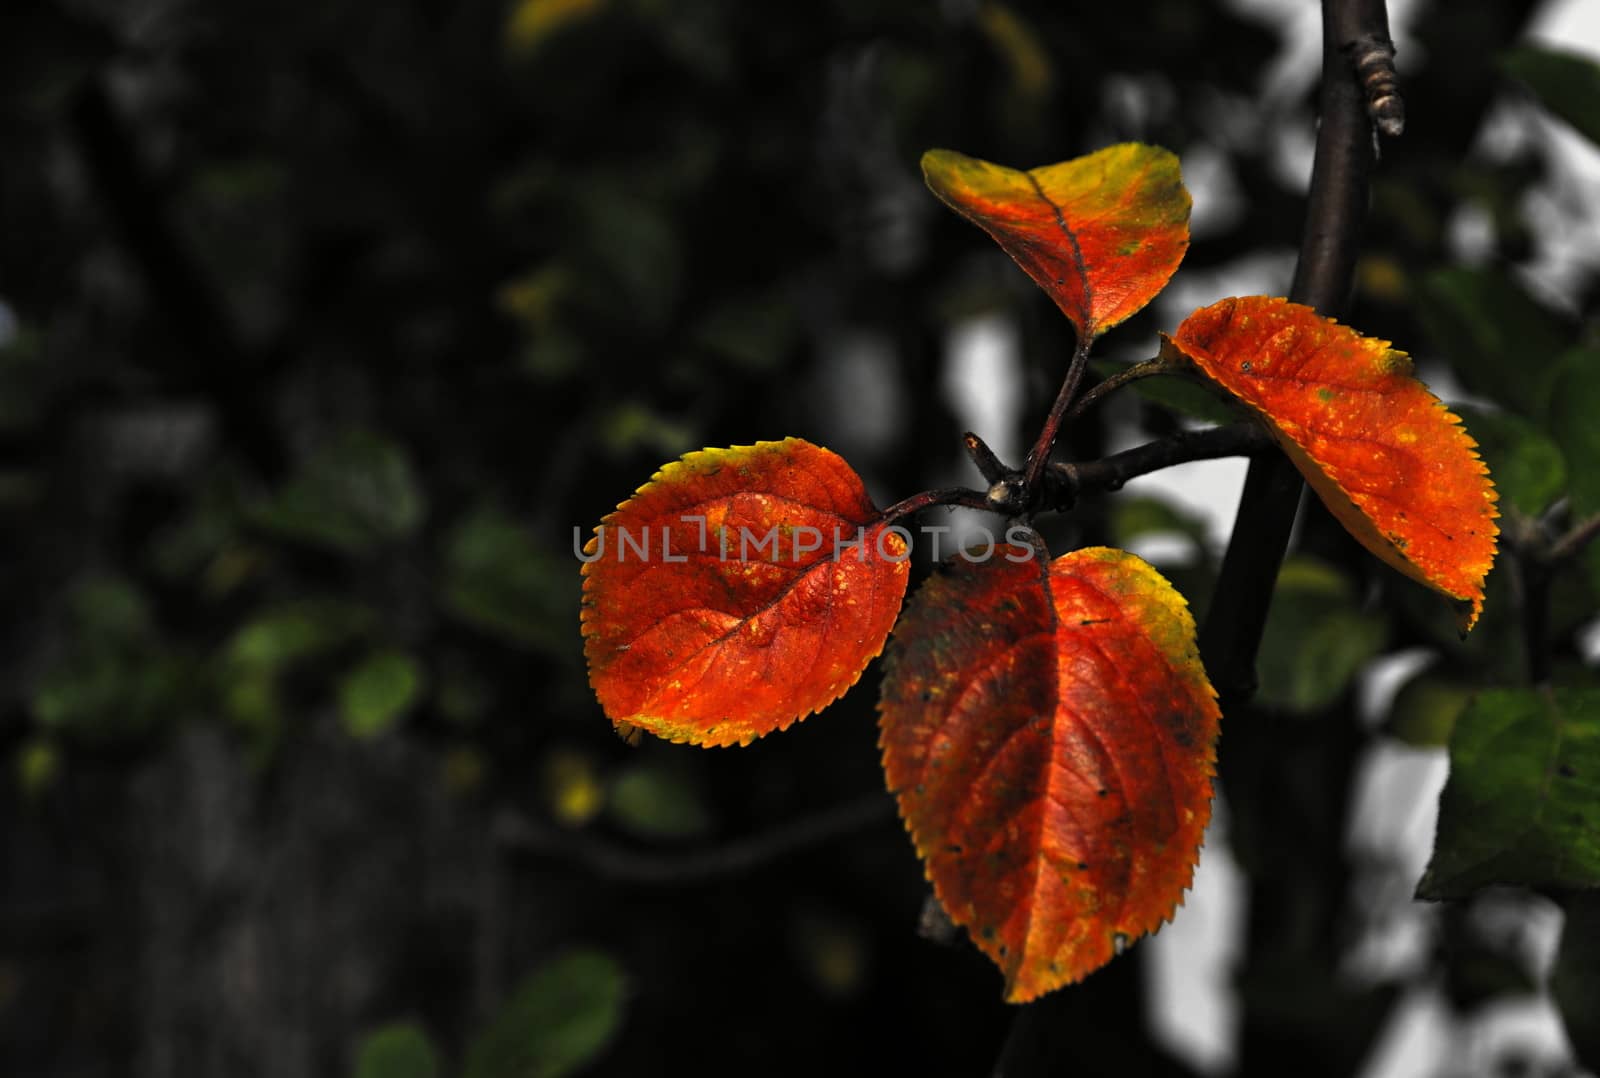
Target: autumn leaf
[1049,733]
[1101,234]
[738,591]
[1385,455]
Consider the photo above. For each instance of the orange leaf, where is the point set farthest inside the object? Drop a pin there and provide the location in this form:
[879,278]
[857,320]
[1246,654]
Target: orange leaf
[728,598]
[1101,234]
[1049,733]
[1385,455]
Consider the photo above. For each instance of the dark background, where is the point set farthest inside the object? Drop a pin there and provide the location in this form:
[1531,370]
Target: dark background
[326,325]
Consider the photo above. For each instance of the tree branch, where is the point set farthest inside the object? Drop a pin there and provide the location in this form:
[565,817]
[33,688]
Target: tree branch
[624,864]
[1335,211]
[1065,482]
[1572,543]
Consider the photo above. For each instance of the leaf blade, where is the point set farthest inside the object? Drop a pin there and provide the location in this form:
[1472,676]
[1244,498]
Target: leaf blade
[717,626]
[1568,84]
[1025,761]
[1101,234]
[1387,458]
[1522,804]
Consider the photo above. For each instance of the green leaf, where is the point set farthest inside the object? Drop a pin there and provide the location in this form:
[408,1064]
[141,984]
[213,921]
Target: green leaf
[753,334]
[1316,639]
[1501,342]
[1573,408]
[1572,422]
[560,1018]
[632,427]
[355,493]
[655,800]
[1425,710]
[116,679]
[38,764]
[497,579]
[377,693]
[295,631]
[1175,392]
[401,1050]
[1522,805]
[1567,84]
[110,611]
[1575,980]
[1134,517]
[1528,468]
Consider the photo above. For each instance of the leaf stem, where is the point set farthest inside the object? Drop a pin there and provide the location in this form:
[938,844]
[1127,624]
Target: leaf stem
[971,499]
[1099,390]
[1039,455]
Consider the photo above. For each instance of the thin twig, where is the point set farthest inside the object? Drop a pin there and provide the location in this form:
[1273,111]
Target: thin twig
[988,465]
[623,864]
[971,499]
[1144,369]
[1039,455]
[1069,480]
[1572,543]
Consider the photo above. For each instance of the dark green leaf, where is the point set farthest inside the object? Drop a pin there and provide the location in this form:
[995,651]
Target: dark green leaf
[355,493]
[560,1018]
[1566,83]
[1425,710]
[1175,392]
[377,693]
[1574,406]
[1575,980]
[497,579]
[402,1050]
[38,764]
[1499,340]
[1527,467]
[289,633]
[655,800]
[1317,638]
[753,334]
[1522,805]
[1133,517]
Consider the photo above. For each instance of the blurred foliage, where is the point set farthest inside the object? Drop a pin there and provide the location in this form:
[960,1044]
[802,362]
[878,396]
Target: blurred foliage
[397,1051]
[1567,84]
[324,329]
[1317,638]
[558,1019]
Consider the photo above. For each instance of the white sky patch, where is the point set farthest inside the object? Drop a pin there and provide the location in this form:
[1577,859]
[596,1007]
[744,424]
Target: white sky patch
[859,381]
[983,380]
[1193,1009]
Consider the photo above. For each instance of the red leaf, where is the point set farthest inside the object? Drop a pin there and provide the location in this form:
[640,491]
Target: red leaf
[1101,234]
[1385,455]
[1049,732]
[729,627]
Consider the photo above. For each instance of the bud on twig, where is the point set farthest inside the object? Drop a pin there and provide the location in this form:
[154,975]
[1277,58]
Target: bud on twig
[1374,59]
